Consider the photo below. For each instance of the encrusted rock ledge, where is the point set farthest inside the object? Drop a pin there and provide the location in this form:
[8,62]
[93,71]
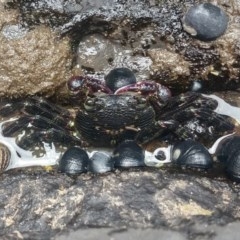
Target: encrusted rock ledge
[145,36]
[40,205]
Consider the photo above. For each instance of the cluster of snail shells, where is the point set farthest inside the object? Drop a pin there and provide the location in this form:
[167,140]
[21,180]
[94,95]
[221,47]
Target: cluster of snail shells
[5,156]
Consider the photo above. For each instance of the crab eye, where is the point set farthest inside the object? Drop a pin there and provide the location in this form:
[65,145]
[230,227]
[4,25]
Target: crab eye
[75,83]
[93,104]
[89,104]
[141,103]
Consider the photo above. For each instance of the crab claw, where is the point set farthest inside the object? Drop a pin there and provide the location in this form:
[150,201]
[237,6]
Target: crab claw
[82,86]
[147,88]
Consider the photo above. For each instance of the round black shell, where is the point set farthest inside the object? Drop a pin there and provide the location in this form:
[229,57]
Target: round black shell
[229,154]
[119,77]
[128,154]
[74,161]
[100,162]
[233,166]
[191,154]
[205,21]
[227,147]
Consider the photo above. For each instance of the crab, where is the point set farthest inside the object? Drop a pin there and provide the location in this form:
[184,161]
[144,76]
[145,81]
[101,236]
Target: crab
[115,110]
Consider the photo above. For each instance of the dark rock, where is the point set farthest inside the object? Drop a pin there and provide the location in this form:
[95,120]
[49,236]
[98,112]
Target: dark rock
[144,36]
[40,205]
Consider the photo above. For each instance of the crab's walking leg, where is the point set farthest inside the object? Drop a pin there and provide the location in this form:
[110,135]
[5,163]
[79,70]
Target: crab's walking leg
[21,158]
[225,108]
[49,136]
[27,121]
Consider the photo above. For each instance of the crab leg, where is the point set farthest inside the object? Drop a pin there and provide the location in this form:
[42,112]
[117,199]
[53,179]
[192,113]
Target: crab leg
[22,158]
[225,108]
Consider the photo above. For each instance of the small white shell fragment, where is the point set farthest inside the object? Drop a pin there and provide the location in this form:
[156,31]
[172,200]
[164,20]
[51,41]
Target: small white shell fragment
[152,161]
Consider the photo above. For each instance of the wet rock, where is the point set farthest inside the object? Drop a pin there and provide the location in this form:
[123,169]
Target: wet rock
[145,36]
[32,62]
[175,71]
[197,232]
[98,55]
[43,204]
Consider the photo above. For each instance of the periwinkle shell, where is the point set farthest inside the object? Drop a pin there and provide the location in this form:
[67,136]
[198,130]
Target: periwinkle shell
[229,154]
[205,21]
[227,147]
[233,166]
[119,77]
[128,154]
[5,156]
[100,162]
[74,161]
[191,154]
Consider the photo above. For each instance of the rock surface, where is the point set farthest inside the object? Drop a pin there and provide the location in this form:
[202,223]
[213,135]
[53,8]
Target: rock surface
[42,44]
[40,205]
[33,62]
[145,36]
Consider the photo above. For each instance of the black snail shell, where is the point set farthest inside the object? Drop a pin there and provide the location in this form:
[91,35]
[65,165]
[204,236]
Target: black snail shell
[119,77]
[74,161]
[233,166]
[229,154]
[5,156]
[227,148]
[191,154]
[128,154]
[205,21]
[100,162]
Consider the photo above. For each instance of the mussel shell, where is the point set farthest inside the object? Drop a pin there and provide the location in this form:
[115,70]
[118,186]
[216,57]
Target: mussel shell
[128,154]
[227,147]
[100,163]
[233,166]
[119,77]
[74,161]
[5,156]
[191,154]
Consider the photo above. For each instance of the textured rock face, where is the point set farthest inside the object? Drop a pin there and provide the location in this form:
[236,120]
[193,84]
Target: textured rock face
[33,62]
[43,42]
[45,204]
[146,36]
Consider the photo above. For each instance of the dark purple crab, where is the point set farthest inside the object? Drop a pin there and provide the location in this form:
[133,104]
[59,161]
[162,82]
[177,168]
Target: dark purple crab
[111,112]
